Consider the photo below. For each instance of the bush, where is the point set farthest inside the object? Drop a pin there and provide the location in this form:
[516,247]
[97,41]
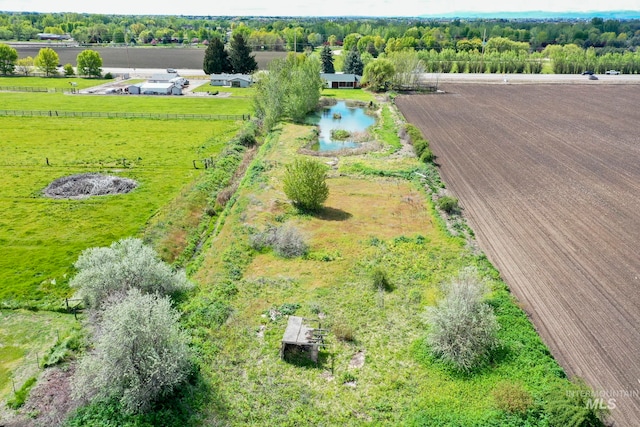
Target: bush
[340,134]
[126,264]
[68,70]
[575,407]
[108,75]
[140,354]
[247,134]
[286,241]
[463,328]
[448,204]
[512,398]
[21,395]
[380,280]
[304,184]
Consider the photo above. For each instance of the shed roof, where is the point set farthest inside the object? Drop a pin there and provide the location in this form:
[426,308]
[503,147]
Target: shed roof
[340,77]
[158,85]
[227,77]
[297,332]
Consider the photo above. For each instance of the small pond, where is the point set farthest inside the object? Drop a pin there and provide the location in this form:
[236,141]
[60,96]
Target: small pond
[343,117]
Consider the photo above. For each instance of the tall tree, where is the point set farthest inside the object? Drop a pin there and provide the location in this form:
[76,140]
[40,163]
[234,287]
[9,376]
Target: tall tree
[216,58]
[47,61]
[240,56]
[8,58]
[378,74]
[326,57]
[353,63]
[291,88]
[89,63]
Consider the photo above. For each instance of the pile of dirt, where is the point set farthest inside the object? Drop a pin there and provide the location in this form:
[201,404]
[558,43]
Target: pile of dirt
[88,184]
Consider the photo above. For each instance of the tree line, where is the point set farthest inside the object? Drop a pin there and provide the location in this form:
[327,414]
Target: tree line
[296,34]
[89,63]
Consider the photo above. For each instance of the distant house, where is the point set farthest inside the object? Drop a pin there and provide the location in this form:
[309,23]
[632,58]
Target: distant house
[231,80]
[153,88]
[340,80]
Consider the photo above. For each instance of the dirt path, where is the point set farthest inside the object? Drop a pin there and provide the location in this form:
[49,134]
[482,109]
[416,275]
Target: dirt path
[549,178]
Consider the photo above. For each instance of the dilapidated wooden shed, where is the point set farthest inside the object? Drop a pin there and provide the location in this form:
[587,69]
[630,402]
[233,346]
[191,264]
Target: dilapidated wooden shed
[302,335]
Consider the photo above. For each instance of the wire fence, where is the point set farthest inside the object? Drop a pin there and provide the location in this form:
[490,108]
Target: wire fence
[92,114]
[37,89]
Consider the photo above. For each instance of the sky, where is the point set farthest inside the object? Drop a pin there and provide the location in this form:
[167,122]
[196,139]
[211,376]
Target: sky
[311,8]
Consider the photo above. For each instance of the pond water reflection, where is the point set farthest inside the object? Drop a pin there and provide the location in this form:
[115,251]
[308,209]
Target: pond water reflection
[343,117]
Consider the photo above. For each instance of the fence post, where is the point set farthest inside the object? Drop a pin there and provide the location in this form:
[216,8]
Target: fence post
[194,165]
[47,161]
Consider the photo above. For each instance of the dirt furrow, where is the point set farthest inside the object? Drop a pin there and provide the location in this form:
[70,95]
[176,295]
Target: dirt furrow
[549,178]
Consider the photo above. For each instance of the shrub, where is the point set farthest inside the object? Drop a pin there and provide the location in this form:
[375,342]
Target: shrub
[463,328]
[304,184]
[380,280]
[108,75]
[448,204]
[512,398]
[427,155]
[126,264]
[247,134]
[285,240]
[574,407]
[21,395]
[140,354]
[288,242]
[68,70]
[340,134]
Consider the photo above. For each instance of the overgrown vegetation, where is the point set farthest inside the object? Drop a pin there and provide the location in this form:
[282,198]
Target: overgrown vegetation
[420,144]
[20,396]
[448,204]
[110,272]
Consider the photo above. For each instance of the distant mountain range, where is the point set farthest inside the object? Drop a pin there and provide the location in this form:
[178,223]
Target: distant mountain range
[541,15]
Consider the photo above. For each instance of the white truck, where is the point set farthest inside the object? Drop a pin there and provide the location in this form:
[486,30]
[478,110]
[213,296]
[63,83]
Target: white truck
[612,72]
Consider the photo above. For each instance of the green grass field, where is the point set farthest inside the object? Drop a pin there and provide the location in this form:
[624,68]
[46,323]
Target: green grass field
[41,237]
[26,337]
[125,103]
[51,83]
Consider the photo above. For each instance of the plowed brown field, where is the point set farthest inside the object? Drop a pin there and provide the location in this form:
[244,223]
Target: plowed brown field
[549,179]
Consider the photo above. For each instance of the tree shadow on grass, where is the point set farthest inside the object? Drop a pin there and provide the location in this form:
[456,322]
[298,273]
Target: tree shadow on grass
[332,214]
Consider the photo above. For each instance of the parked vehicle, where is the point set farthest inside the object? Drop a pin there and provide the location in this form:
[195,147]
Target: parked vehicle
[612,72]
[593,77]
[588,73]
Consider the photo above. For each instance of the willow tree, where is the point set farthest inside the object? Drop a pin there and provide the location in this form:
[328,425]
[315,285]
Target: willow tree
[290,89]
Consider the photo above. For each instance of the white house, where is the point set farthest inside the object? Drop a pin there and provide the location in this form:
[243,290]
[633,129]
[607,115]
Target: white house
[150,88]
[232,80]
[340,80]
